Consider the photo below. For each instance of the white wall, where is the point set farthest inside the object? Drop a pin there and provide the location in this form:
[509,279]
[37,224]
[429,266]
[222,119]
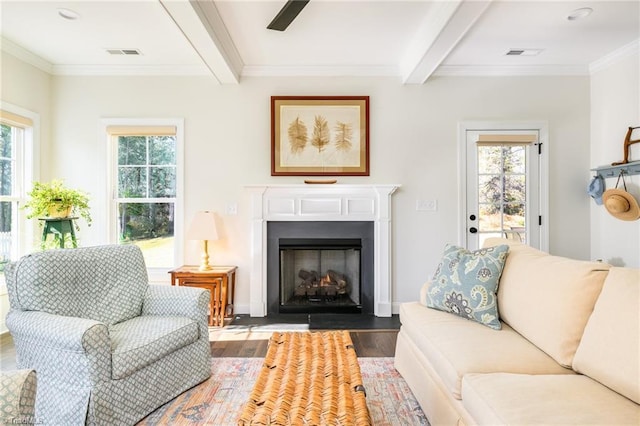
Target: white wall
[27,87]
[615,106]
[413,143]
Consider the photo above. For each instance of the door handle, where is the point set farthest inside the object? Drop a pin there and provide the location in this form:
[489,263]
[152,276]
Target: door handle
[473,229]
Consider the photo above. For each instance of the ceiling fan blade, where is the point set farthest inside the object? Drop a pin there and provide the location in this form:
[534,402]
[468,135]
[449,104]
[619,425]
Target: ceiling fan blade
[287,14]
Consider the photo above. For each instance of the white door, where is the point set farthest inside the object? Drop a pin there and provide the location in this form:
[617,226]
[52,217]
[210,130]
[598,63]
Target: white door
[503,186]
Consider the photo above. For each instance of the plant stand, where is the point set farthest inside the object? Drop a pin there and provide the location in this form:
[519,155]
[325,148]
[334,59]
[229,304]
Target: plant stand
[59,227]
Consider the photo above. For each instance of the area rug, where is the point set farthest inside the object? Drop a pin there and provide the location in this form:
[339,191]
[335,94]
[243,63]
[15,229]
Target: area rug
[308,378]
[219,400]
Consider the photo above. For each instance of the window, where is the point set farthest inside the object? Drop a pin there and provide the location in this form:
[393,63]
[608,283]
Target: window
[16,168]
[146,190]
[502,184]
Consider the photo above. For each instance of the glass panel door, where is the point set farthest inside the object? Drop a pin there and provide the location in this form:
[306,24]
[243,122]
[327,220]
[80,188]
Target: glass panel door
[502,190]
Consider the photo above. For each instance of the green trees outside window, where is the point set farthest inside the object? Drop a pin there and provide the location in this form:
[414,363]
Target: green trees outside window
[147,194]
[502,187]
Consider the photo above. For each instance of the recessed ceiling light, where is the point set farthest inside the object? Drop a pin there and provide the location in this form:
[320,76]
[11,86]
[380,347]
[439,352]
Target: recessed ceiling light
[583,12]
[68,14]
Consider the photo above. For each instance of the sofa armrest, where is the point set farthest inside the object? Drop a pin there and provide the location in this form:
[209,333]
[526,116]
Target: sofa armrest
[423,293]
[59,345]
[187,302]
[17,396]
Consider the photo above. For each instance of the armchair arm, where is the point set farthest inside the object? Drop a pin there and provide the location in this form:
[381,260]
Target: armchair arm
[64,345]
[180,301]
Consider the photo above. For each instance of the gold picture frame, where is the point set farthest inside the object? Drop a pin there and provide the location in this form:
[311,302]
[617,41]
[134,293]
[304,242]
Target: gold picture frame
[320,136]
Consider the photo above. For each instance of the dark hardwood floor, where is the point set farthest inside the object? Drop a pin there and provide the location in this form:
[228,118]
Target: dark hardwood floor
[368,343]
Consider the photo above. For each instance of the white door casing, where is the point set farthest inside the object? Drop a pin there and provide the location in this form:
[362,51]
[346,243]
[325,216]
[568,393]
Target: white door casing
[536,198]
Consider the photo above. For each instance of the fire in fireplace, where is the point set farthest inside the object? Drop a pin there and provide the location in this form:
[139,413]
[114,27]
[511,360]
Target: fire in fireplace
[320,275]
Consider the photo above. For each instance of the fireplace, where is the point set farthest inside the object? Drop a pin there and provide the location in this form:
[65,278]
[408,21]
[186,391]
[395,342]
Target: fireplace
[320,267]
[365,205]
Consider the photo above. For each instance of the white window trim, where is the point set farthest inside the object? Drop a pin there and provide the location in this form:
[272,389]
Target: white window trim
[30,173]
[543,129]
[155,274]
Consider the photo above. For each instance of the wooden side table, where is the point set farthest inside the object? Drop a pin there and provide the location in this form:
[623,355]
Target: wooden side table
[221,283]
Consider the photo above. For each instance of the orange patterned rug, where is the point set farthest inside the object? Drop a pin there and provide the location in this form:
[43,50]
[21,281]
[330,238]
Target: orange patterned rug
[308,379]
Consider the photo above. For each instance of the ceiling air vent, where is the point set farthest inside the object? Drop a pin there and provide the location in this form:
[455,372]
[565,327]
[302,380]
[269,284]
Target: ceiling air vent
[123,52]
[523,52]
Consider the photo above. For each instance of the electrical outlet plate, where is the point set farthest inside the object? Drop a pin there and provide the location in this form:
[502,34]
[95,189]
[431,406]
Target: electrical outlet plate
[427,205]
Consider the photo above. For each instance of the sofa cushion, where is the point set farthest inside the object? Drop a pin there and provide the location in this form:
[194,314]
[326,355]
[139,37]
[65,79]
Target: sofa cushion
[455,346]
[141,341]
[609,351]
[518,399]
[465,283]
[548,299]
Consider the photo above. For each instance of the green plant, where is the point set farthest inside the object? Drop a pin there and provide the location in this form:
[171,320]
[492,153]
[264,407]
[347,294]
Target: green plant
[54,194]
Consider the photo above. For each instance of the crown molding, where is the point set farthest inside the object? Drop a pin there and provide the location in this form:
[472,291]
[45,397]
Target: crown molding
[25,55]
[615,56]
[511,70]
[319,71]
[131,70]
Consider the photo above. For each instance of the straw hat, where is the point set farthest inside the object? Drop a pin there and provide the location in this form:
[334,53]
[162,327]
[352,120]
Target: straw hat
[621,204]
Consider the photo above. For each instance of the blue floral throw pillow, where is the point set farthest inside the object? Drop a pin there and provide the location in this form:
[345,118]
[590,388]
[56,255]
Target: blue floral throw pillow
[466,283]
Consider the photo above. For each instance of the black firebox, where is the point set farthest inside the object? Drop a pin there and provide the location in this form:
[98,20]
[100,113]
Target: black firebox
[320,267]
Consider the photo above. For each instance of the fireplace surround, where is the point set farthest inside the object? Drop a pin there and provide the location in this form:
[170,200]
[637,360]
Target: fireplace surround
[321,203]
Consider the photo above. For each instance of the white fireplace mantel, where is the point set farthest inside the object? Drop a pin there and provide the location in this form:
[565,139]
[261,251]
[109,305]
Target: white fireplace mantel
[321,203]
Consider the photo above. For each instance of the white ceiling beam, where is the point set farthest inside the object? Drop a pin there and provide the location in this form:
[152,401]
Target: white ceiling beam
[203,27]
[441,31]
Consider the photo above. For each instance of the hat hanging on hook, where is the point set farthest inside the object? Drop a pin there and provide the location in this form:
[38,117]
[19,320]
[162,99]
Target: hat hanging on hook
[619,203]
[596,188]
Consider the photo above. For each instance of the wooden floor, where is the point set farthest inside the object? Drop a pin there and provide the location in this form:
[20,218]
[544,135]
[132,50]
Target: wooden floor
[368,343]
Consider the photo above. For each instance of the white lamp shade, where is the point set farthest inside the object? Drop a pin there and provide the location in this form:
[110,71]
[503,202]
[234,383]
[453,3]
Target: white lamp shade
[203,227]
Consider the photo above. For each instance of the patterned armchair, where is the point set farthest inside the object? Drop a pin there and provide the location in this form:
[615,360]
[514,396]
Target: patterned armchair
[108,348]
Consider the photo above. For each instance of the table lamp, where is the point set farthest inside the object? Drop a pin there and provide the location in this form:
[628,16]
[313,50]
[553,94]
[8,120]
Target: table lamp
[203,227]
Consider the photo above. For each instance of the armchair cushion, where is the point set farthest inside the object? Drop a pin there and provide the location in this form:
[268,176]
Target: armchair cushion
[142,341]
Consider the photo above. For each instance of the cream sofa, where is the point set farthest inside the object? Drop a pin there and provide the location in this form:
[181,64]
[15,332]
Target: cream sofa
[567,353]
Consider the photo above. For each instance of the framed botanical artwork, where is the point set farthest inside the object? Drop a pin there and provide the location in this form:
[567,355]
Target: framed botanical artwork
[320,136]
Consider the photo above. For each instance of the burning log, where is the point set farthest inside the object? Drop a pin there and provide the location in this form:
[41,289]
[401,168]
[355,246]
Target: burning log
[333,283]
[339,279]
[309,277]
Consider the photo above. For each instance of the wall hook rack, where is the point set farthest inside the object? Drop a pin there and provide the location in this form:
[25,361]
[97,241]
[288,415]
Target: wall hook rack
[629,169]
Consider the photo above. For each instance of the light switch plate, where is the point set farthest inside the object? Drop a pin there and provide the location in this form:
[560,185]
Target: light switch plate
[231,209]
[427,205]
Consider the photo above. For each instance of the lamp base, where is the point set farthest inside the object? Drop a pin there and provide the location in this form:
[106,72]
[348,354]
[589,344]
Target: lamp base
[205,267]
[204,262]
